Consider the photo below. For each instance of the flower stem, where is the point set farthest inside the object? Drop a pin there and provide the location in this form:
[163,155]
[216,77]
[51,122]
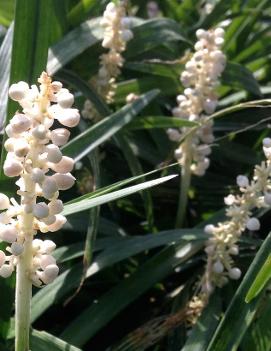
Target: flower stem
[23,281]
[184,184]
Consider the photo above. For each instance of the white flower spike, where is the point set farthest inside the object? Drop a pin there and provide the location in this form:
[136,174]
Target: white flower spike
[33,154]
[200,80]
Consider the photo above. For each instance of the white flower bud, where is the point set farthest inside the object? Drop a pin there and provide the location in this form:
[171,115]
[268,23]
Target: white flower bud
[219,32]
[37,244]
[39,132]
[50,273]
[49,187]
[4,202]
[21,148]
[6,270]
[253,224]
[234,250]
[210,249]
[229,200]
[60,221]
[209,229]
[218,267]
[56,85]
[69,117]
[41,210]
[201,33]
[65,99]
[48,246]
[9,144]
[55,207]
[16,249]
[54,154]
[235,273]
[12,168]
[37,175]
[267,198]
[64,166]
[209,106]
[64,181]
[2,258]
[267,142]
[173,134]
[18,91]
[49,220]
[60,136]
[8,233]
[20,123]
[46,260]
[242,181]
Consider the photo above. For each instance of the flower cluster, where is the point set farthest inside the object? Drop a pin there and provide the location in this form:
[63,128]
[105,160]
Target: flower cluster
[200,79]
[224,237]
[35,157]
[116,35]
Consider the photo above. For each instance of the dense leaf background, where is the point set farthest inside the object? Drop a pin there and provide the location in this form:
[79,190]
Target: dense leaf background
[138,271]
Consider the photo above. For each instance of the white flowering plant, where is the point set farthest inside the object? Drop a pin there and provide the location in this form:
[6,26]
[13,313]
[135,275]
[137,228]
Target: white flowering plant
[166,100]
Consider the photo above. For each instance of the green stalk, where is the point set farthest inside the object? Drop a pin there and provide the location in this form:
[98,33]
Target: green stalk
[185,180]
[23,281]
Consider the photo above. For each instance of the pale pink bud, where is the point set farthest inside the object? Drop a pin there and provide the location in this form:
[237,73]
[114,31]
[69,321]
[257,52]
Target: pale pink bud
[48,246]
[65,99]
[18,91]
[39,132]
[69,117]
[64,181]
[9,144]
[218,267]
[235,273]
[37,175]
[12,168]
[2,258]
[8,233]
[64,166]
[20,123]
[49,187]
[50,273]
[253,224]
[6,270]
[41,210]
[54,154]
[21,148]
[55,206]
[60,136]
[16,249]
[46,260]
[4,202]
[60,221]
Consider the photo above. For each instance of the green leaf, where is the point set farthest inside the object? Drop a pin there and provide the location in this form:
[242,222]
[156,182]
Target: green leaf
[115,252]
[110,304]
[238,76]
[152,122]
[260,281]
[239,314]
[84,143]
[5,57]
[85,204]
[160,68]
[80,11]
[42,341]
[7,12]
[73,44]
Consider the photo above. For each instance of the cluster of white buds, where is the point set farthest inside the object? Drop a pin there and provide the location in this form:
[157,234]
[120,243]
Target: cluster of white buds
[200,79]
[223,244]
[35,157]
[116,35]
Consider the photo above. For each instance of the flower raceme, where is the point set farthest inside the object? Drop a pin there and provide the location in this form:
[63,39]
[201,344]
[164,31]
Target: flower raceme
[222,245]
[116,35]
[35,157]
[200,79]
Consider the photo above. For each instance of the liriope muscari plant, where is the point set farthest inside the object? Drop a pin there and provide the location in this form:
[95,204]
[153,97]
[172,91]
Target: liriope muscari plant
[222,246]
[199,99]
[116,35]
[33,155]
